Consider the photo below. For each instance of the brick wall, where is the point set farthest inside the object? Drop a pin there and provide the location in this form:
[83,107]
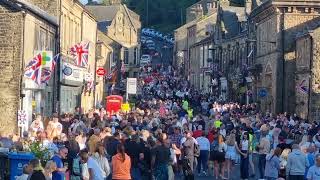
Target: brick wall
[10,66]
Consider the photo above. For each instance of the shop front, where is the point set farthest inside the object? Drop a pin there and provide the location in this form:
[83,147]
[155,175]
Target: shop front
[71,87]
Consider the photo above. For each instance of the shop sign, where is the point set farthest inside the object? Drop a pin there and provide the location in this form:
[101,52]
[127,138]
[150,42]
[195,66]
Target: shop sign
[101,72]
[88,77]
[263,93]
[125,107]
[71,72]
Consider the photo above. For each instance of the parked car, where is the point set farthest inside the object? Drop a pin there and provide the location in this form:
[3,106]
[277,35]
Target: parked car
[151,46]
[143,39]
[145,59]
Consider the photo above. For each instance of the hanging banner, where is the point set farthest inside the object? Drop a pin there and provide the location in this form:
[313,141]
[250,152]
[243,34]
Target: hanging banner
[22,118]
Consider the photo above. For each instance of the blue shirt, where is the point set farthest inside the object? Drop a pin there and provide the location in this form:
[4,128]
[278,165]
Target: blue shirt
[57,175]
[314,173]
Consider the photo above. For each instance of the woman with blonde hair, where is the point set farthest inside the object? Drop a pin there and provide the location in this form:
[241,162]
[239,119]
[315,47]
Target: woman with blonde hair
[100,157]
[231,152]
[283,162]
[49,168]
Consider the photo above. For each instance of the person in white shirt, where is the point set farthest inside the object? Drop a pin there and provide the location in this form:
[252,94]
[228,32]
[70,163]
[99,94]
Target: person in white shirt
[204,145]
[26,173]
[94,169]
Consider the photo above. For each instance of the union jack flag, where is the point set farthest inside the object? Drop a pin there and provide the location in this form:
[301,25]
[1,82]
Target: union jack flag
[302,87]
[54,62]
[33,69]
[111,74]
[123,67]
[39,74]
[45,76]
[80,52]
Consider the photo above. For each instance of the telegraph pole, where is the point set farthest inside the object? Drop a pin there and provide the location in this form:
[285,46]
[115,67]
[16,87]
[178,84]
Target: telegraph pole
[147,12]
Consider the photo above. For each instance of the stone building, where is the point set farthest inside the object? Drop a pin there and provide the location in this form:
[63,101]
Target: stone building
[215,49]
[181,46]
[122,25]
[285,35]
[108,52]
[25,29]
[76,25]
[231,54]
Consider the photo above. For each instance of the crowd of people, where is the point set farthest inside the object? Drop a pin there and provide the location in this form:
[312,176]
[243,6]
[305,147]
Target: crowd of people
[172,131]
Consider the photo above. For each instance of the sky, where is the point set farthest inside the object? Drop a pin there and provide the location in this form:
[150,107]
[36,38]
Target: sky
[84,1]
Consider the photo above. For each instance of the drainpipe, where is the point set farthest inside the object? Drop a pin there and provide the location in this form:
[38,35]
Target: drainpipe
[95,74]
[283,64]
[310,80]
[58,66]
[22,62]
[22,68]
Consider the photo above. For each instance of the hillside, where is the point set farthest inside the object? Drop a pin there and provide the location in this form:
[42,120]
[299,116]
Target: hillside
[163,15]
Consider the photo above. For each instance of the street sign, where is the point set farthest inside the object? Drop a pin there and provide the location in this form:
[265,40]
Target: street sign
[263,93]
[33,103]
[101,72]
[131,85]
[22,118]
[88,76]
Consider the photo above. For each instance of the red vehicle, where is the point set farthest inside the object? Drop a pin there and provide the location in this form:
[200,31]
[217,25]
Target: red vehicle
[113,104]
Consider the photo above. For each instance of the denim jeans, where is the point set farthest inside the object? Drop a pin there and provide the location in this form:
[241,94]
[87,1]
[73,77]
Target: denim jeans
[135,173]
[203,160]
[244,166]
[262,164]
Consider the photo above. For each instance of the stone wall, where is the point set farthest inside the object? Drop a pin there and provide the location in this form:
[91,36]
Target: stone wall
[292,28]
[315,78]
[50,6]
[302,75]
[11,30]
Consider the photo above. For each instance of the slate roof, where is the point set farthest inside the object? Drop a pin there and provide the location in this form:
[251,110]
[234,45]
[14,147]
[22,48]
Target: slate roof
[103,25]
[104,13]
[34,9]
[231,16]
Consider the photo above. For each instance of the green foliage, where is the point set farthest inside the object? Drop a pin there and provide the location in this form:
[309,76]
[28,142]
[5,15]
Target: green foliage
[163,15]
[39,151]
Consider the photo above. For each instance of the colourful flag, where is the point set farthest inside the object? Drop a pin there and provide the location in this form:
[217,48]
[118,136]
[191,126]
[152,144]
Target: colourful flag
[123,68]
[56,58]
[80,53]
[302,87]
[33,69]
[47,73]
[40,68]
[111,74]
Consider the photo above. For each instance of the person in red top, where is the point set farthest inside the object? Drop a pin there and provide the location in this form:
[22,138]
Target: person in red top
[198,133]
[211,134]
